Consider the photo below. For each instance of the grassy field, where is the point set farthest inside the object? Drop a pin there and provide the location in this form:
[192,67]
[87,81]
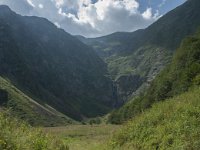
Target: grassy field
[84,137]
[18,135]
[169,125]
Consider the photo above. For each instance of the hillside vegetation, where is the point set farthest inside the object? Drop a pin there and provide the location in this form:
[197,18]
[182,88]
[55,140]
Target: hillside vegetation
[178,77]
[18,136]
[173,124]
[146,52]
[23,107]
[85,137]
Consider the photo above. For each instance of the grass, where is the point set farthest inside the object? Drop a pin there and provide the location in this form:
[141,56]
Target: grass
[84,137]
[15,135]
[169,125]
[23,107]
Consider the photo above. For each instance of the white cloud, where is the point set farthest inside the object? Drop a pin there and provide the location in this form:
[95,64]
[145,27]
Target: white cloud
[148,13]
[90,19]
[41,6]
[107,16]
[57,24]
[30,3]
[59,2]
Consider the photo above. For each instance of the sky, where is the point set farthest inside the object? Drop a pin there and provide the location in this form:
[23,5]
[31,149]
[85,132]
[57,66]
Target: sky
[94,18]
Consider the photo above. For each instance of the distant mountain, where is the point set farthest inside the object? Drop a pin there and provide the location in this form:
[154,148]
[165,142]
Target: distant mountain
[178,77]
[144,53]
[53,67]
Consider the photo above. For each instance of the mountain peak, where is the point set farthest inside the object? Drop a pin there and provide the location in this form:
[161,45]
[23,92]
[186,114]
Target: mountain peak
[4,9]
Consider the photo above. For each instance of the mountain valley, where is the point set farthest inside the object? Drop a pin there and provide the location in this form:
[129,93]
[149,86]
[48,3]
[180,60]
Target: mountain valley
[127,90]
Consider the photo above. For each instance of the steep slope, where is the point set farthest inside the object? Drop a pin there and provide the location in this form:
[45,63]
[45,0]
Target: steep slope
[182,73]
[52,67]
[23,107]
[173,124]
[144,53]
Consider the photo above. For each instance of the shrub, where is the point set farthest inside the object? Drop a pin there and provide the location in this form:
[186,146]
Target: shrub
[173,124]
[16,135]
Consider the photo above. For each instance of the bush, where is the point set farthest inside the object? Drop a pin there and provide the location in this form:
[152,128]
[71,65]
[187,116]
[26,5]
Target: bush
[95,121]
[196,80]
[16,135]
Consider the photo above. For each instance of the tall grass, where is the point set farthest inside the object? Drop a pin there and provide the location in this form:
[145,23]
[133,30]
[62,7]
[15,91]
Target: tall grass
[15,135]
[173,124]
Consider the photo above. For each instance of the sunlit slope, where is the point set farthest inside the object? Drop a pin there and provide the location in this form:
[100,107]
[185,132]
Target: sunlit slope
[181,74]
[173,124]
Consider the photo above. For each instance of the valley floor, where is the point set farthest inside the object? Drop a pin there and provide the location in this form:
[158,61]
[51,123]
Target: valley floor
[84,137]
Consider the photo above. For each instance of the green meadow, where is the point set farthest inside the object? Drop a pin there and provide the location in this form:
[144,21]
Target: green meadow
[84,137]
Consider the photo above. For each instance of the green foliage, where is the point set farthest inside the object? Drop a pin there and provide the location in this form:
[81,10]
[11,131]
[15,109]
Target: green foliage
[146,52]
[23,107]
[95,121]
[179,75]
[126,112]
[15,135]
[85,137]
[175,79]
[196,80]
[173,124]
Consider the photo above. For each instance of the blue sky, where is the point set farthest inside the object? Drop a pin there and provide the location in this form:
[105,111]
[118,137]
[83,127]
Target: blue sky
[156,4]
[92,18]
[162,5]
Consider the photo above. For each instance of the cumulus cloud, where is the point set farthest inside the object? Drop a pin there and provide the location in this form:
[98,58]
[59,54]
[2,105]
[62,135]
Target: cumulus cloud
[30,3]
[84,17]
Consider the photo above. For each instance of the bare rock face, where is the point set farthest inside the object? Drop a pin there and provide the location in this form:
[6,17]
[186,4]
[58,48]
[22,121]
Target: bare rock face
[128,84]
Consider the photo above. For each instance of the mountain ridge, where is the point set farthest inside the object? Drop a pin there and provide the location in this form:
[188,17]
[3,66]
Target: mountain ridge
[53,67]
[147,51]
[182,74]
